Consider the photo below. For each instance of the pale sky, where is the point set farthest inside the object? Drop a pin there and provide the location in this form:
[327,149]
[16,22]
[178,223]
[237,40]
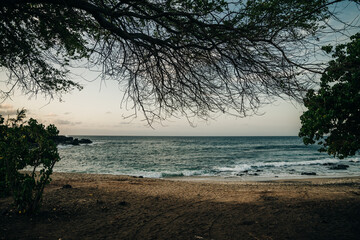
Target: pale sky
[96,111]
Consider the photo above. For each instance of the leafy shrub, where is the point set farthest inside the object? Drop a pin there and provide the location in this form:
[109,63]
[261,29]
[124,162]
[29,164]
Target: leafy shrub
[27,157]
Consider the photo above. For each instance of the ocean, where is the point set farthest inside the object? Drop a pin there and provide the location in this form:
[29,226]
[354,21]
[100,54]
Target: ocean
[225,157]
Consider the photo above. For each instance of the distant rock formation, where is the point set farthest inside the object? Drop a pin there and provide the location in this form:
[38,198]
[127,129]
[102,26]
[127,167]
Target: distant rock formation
[70,140]
[339,167]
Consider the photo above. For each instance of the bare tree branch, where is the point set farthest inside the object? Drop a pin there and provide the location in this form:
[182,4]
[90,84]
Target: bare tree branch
[172,58]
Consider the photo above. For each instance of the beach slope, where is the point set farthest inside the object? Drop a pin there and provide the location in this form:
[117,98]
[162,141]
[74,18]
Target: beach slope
[122,207]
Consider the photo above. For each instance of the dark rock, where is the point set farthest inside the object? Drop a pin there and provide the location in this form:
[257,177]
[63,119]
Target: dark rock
[69,140]
[137,176]
[67,186]
[75,142]
[62,139]
[259,170]
[339,167]
[85,141]
[308,173]
[328,164]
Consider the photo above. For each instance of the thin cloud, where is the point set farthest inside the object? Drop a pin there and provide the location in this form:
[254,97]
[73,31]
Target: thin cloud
[6,106]
[66,122]
[67,113]
[122,124]
[51,115]
[7,109]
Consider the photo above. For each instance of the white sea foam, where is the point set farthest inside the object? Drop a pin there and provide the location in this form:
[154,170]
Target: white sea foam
[236,168]
[300,163]
[60,146]
[146,174]
[162,174]
[95,143]
[245,167]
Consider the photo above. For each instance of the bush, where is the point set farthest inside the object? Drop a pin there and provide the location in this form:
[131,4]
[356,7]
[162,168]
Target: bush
[27,157]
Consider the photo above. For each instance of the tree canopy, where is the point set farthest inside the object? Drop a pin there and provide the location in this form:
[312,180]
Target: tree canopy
[172,57]
[333,116]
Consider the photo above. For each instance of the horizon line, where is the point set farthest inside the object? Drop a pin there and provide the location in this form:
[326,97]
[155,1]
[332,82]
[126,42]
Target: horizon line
[99,135]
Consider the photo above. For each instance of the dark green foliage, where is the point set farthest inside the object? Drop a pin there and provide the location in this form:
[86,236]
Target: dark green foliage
[333,116]
[27,157]
[37,45]
[4,190]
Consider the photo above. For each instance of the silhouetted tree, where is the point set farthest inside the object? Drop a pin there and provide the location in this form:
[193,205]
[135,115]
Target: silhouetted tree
[172,57]
[333,116]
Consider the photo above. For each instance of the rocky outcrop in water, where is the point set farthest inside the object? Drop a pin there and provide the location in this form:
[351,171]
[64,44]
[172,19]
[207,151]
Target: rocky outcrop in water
[70,140]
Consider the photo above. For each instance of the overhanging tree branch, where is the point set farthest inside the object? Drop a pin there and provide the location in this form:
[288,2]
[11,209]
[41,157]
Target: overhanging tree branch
[172,57]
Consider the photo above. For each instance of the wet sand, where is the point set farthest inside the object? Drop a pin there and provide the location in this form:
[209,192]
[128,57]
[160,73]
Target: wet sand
[123,207]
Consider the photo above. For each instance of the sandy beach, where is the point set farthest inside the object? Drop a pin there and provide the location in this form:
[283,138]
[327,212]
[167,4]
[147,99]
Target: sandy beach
[123,207]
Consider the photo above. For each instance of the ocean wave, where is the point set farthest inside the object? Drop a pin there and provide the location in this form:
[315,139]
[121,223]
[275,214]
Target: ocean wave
[299,163]
[163,174]
[61,146]
[245,167]
[281,146]
[183,173]
[96,143]
[236,168]
[354,159]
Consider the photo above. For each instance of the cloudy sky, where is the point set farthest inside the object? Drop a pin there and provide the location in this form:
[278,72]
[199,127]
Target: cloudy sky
[96,110]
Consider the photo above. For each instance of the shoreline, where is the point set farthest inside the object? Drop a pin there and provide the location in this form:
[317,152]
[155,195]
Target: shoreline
[236,179]
[104,206]
[197,178]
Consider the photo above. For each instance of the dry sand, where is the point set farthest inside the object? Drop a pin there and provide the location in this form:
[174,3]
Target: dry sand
[122,207]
